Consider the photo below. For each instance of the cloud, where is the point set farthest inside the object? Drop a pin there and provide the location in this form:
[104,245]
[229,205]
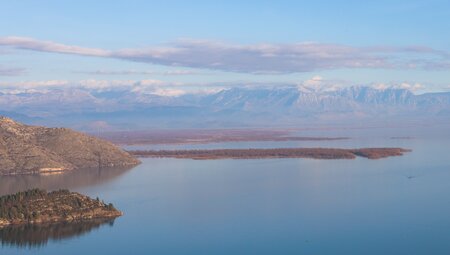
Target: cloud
[169,92]
[319,84]
[413,87]
[142,87]
[380,86]
[8,71]
[257,58]
[48,46]
[314,81]
[136,72]
[33,84]
[103,85]
[138,88]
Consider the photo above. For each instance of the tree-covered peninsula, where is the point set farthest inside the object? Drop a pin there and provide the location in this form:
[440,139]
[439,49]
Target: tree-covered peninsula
[39,206]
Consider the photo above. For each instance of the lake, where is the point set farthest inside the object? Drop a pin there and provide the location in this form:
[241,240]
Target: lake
[397,205]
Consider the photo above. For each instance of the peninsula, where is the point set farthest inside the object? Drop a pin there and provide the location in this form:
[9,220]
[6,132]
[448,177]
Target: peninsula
[37,206]
[314,153]
[28,149]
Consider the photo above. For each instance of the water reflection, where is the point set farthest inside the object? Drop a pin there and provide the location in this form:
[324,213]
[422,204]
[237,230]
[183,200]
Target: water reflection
[67,180]
[38,235]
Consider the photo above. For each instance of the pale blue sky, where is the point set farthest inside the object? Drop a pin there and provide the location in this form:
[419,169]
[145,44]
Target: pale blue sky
[385,41]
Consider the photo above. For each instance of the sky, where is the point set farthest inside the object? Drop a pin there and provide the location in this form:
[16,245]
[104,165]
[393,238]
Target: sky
[202,45]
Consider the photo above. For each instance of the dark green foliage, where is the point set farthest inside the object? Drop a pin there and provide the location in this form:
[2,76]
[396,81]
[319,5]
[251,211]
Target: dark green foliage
[11,206]
[40,205]
[110,207]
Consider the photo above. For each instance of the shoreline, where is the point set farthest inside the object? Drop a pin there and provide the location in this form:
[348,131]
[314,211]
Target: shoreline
[313,153]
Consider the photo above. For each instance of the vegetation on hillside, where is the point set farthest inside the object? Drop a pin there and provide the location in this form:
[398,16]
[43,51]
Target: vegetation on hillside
[40,206]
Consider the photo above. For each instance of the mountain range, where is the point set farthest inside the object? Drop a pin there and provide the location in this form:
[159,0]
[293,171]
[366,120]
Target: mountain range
[88,109]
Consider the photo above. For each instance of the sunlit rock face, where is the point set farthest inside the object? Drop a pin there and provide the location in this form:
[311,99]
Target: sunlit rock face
[34,149]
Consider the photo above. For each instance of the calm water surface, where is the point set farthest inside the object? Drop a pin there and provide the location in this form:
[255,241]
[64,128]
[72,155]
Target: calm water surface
[397,205]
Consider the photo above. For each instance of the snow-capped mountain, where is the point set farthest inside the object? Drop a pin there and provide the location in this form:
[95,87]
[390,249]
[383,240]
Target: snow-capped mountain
[229,107]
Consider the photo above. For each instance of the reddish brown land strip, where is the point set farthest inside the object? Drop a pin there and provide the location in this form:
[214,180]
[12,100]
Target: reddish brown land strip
[314,153]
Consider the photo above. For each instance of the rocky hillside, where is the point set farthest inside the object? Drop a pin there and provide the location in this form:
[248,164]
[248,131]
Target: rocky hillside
[32,149]
[38,206]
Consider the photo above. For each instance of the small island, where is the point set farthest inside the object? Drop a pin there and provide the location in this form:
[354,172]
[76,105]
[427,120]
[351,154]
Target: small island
[37,206]
[314,153]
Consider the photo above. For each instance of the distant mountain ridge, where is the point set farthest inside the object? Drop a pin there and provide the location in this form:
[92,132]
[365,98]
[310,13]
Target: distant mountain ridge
[233,107]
